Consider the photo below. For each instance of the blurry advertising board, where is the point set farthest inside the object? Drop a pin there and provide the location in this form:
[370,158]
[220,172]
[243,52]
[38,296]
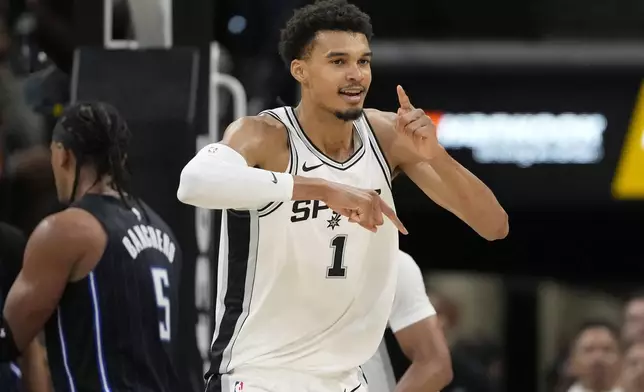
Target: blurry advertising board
[554,139]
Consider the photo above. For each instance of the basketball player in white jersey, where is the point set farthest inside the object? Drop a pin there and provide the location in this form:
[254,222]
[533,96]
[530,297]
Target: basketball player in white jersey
[307,276]
[415,326]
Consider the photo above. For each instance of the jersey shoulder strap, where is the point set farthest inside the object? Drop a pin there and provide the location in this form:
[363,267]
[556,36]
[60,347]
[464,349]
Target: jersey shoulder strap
[364,126]
[281,115]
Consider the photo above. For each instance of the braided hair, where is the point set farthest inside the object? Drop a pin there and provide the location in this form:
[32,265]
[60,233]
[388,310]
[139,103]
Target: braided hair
[97,135]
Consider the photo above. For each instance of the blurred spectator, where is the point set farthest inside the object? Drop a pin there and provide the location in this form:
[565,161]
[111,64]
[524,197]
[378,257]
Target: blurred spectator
[633,370]
[56,31]
[469,374]
[447,311]
[633,327]
[559,378]
[488,354]
[26,182]
[595,358]
[23,128]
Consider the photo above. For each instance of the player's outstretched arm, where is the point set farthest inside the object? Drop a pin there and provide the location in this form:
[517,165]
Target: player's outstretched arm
[414,148]
[55,247]
[415,325]
[246,171]
[227,174]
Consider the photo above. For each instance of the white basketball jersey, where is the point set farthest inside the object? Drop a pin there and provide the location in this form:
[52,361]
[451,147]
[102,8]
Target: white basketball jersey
[299,287]
[411,305]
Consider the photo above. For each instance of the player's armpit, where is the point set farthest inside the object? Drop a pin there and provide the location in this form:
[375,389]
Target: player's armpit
[54,248]
[425,346]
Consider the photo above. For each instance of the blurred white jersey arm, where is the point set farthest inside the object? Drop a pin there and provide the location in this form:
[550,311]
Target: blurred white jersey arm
[413,322]
[416,328]
[411,303]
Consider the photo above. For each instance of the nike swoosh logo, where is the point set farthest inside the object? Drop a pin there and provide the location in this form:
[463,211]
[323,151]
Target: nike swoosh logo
[274,178]
[309,168]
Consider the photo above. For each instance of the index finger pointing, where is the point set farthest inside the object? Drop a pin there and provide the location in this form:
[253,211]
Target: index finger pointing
[389,213]
[403,99]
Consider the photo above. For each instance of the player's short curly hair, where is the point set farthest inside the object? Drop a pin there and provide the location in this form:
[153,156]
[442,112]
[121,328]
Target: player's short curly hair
[306,22]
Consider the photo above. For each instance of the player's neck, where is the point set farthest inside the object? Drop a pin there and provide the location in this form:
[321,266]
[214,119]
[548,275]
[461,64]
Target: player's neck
[331,135]
[87,184]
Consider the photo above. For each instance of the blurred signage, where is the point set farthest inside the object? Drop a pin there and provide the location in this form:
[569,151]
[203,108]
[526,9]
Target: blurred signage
[524,138]
[561,138]
[629,178]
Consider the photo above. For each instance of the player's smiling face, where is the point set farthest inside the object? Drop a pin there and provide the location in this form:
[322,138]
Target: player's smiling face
[337,72]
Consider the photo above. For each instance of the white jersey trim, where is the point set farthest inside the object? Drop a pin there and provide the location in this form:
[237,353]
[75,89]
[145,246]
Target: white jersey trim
[377,149]
[293,162]
[355,157]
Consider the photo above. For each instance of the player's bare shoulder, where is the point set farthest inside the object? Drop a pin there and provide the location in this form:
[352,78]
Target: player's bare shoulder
[77,229]
[261,140]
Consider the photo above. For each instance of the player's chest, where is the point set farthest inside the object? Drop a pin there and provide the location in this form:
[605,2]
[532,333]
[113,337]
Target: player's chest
[323,243]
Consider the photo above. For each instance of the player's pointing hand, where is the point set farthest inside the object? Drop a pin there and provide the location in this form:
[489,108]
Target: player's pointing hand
[416,125]
[364,207]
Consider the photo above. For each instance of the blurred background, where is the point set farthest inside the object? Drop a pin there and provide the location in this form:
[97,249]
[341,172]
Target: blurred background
[542,99]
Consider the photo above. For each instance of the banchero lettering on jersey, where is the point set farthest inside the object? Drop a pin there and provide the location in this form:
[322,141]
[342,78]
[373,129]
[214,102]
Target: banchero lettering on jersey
[115,329]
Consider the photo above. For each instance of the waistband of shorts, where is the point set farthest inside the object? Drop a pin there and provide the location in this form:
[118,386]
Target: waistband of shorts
[296,375]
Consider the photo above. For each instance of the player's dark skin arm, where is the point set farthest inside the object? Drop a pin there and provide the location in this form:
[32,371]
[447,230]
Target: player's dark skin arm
[35,372]
[64,247]
[442,179]
[425,346]
[33,365]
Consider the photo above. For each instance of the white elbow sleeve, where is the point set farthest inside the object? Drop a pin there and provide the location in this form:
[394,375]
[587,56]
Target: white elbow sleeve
[218,177]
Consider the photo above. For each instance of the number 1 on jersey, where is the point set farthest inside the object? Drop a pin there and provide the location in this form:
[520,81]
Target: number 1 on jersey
[337,268]
[161,282]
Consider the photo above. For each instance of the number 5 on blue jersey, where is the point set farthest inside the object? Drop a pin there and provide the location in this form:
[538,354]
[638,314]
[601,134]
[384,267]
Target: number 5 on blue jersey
[161,283]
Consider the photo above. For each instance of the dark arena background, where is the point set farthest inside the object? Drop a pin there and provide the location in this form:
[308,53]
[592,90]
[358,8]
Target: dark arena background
[542,99]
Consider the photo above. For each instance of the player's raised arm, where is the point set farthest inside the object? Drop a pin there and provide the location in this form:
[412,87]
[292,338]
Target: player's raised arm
[227,175]
[415,149]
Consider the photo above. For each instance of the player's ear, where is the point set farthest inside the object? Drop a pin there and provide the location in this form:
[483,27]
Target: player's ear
[68,159]
[299,71]
[60,156]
